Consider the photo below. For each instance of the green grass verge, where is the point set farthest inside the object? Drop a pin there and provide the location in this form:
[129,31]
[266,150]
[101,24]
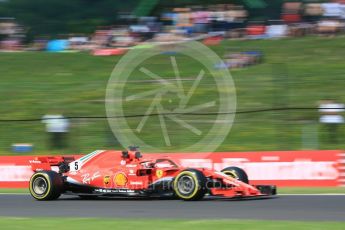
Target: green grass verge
[95,223]
[311,190]
[296,72]
[289,190]
[14,190]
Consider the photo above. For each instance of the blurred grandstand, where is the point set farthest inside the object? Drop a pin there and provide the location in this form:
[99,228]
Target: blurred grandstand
[136,21]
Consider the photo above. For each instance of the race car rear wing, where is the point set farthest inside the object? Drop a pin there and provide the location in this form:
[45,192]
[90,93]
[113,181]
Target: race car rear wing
[55,163]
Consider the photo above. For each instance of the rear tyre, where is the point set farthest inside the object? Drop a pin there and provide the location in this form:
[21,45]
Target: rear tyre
[237,173]
[46,185]
[190,185]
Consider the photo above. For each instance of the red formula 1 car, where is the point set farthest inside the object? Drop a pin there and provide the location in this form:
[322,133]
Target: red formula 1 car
[127,173]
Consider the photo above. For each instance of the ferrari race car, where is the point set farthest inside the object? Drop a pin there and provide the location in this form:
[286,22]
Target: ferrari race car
[127,173]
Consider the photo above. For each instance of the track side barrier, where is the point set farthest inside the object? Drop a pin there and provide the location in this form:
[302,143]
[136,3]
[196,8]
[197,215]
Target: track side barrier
[283,168]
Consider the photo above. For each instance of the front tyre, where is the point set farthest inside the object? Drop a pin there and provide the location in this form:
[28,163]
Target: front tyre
[46,185]
[190,185]
[236,173]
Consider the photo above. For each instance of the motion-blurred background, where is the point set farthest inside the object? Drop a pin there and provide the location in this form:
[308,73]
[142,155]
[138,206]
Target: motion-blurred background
[286,59]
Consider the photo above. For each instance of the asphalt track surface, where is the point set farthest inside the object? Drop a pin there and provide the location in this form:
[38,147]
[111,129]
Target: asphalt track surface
[294,207]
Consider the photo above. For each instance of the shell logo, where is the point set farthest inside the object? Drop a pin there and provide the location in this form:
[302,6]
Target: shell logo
[120,179]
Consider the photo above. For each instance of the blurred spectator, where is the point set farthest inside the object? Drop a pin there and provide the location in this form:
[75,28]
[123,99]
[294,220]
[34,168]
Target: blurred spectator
[233,60]
[342,10]
[200,20]
[329,26]
[330,111]
[332,10]
[276,29]
[11,35]
[313,11]
[256,30]
[57,126]
[184,20]
[39,44]
[197,22]
[291,12]
[78,43]
[10,44]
